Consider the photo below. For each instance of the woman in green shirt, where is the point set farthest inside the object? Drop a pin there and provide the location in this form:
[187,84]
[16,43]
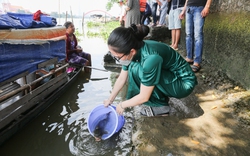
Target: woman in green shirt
[154,70]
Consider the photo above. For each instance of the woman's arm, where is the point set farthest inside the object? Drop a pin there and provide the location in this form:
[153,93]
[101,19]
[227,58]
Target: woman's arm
[142,97]
[121,80]
[73,50]
[129,5]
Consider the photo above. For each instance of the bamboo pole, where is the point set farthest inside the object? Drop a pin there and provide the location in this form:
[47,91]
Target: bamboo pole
[66,16]
[83,23]
[59,11]
[71,15]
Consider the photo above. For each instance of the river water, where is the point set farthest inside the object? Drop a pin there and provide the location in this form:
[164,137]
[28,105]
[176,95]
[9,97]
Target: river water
[62,130]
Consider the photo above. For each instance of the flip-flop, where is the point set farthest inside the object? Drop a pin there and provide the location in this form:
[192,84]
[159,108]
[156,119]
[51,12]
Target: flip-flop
[195,68]
[155,111]
[174,48]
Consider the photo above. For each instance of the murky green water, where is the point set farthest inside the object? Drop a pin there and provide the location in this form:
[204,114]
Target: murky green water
[62,129]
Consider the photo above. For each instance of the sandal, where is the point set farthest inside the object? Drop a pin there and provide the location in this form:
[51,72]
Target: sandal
[195,68]
[174,48]
[155,111]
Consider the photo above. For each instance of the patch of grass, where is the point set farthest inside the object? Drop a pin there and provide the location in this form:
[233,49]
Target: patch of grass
[98,29]
[78,35]
[93,24]
[102,30]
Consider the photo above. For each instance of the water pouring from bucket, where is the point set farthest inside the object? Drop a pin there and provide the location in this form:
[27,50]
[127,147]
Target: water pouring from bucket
[104,122]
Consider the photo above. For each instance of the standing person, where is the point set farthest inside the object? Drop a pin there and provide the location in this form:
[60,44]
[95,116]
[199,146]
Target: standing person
[147,14]
[142,9]
[154,11]
[122,13]
[196,11]
[163,9]
[133,12]
[74,53]
[174,23]
[154,71]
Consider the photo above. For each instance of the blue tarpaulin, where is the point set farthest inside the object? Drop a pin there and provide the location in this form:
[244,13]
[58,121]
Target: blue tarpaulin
[18,56]
[24,21]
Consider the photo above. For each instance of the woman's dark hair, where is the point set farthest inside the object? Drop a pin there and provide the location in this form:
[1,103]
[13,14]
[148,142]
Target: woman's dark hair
[67,24]
[122,40]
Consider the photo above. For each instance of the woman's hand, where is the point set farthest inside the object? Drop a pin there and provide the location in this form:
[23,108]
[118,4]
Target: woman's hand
[79,50]
[119,108]
[107,102]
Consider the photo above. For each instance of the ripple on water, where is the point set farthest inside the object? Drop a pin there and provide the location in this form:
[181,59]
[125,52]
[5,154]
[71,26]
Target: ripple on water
[83,143]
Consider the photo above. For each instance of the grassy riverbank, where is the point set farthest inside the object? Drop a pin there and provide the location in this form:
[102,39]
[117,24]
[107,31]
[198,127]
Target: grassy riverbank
[98,29]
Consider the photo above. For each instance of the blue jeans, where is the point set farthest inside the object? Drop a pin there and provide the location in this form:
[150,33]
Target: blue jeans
[194,33]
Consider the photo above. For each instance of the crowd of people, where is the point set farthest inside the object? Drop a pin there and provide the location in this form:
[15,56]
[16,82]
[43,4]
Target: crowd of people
[155,71]
[141,11]
[170,13]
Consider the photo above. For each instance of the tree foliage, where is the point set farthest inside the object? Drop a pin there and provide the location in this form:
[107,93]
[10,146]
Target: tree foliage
[110,4]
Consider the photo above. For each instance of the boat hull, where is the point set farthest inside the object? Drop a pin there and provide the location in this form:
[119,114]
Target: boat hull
[27,107]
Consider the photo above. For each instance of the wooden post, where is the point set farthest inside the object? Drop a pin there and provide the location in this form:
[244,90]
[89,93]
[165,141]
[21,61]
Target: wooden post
[71,15]
[59,11]
[66,16]
[83,23]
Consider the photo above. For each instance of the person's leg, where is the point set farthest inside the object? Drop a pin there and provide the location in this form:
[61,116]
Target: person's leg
[198,35]
[86,56]
[189,33]
[154,10]
[87,63]
[86,69]
[144,18]
[176,38]
[161,21]
[85,60]
[171,26]
[89,59]
[181,87]
[149,19]
[163,17]
[177,27]
[141,17]
[157,98]
[173,37]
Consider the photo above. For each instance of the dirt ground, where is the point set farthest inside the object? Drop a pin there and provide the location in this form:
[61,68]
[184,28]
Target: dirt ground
[213,120]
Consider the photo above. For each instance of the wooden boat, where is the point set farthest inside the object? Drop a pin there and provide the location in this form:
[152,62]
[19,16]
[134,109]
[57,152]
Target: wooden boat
[33,74]
[25,95]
